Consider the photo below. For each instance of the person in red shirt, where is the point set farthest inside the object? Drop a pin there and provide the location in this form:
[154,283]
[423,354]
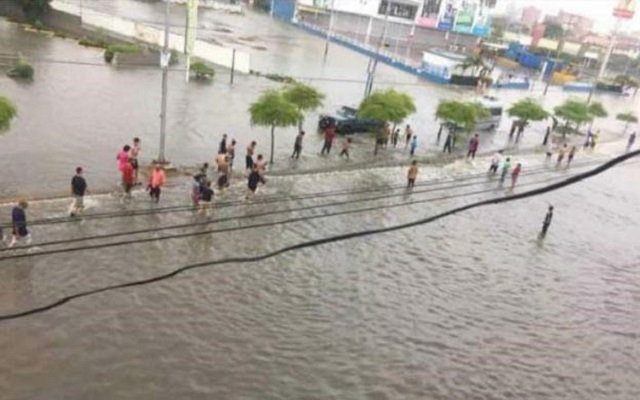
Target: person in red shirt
[329,135]
[473,146]
[128,178]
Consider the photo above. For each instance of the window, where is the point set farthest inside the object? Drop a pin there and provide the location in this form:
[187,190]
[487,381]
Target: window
[431,8]
[399,10]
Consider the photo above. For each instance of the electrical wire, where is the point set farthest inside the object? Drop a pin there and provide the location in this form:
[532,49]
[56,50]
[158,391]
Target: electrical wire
[318,242]
[254,226]
[274,199]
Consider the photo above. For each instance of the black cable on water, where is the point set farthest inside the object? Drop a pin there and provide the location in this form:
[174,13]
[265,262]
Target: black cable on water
[331,239]
[235,218]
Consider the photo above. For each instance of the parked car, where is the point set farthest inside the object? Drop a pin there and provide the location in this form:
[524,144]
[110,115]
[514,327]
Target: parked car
[346,121]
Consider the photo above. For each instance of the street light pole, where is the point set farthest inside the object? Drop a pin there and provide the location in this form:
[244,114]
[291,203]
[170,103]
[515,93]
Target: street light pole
[164,63]
[373,62]
[605,60]
[329,31]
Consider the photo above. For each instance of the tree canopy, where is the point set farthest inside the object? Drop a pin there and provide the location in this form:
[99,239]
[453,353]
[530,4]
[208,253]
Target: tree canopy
[528,110]
[476,64]
[464,114]
[8,111]
[579,112]
[597,110]
[553,30]
[387,106]
[626,80]
[305,97]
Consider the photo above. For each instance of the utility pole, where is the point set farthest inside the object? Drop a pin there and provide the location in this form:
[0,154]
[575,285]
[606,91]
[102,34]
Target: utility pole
[330,30]
[605,60]
[164,63]
[373,62]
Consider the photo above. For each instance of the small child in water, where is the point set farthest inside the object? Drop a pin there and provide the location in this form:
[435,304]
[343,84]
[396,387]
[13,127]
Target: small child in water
[412,174]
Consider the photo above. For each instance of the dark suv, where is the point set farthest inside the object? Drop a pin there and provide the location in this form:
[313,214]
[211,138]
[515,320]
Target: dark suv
[346,121]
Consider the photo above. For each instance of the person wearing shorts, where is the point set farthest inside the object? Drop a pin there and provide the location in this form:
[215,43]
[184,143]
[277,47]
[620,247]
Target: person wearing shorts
[206,198]
[128,179]
[253,180]
[157,179]
[133,155]
[19,223]
[249,157]
[412,174]
[78,190]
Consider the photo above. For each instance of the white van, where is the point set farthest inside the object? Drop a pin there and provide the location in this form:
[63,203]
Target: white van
[496,108]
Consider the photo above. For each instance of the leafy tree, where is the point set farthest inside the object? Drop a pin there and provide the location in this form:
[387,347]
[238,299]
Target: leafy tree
[553,30]
[477,65]
[456,114]
[626,80]
[628,118]
[387,106]
[578,112]
[305,97]
[272,109]
[8,111]
[34,9]
[21,71]
[202,70]
[527,110]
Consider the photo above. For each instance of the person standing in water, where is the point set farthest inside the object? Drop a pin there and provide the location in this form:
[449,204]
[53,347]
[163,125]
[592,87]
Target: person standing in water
[199,179]
[156,181]
[123,157]
[231,153]
[414,144]
[495,162]
[329,135]
[249,157]
[448,143]
[547,222]
[222,147]
[506,167]
[594,139]
[206,198]
[572,153]
[631,141]
[261,166]
[408,132]
[133,155]
[395,138]
[412,174]
[346,146]
[78,190]
[297,145]
[19,223]
[561,153]
[473,147]
[252,181]
[515,174]
[549,152]
[128,180]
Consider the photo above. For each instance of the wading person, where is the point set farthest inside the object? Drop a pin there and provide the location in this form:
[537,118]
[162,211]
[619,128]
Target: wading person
[297,145]
[548,152]
[329,135]
[156,181]
[414,144]
[222,147]
[572,153]
[199,179]
[252,181]
[346,146]
[134,154]
[506,167]
[128,179]
[448,144]
[547,222]
[223,172]
[515,174]
[78,190]
[473,147]
[631,141]
[412,174]
[561,153]
[261,166]
[249,157]
[231,153]
[395,138]
[408,132]
[206,198]
[123,157]
[19,223]
[495,162]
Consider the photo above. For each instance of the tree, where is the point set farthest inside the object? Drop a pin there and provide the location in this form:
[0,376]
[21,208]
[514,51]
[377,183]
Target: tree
[553,30]
[527,110]
[34,9]
[8,111]
[305,97]
[387,106]
[456,114]
[272,109]
[578,112]
[628,118]
[477,65]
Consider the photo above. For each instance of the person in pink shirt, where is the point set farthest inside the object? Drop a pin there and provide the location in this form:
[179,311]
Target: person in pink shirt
[123,157]
[156,180]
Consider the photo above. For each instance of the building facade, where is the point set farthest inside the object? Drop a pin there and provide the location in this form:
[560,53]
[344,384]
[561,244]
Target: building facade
[530,16]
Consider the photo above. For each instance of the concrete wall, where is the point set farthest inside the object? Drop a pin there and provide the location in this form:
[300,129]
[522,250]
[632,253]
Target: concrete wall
[131,30]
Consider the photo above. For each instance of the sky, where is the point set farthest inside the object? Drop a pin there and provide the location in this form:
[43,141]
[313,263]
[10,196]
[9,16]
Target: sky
[601,11]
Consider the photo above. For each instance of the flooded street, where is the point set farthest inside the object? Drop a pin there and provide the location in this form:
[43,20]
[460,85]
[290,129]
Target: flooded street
[472,306]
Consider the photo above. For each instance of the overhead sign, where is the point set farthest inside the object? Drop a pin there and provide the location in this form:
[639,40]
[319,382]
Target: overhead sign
[447,15]
[625,9]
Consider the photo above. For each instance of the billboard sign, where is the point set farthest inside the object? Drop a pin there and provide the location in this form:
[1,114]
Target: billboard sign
[447,17]
[625,9]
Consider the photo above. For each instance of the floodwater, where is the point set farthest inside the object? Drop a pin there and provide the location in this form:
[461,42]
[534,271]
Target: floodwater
[77,114]
[468,307]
